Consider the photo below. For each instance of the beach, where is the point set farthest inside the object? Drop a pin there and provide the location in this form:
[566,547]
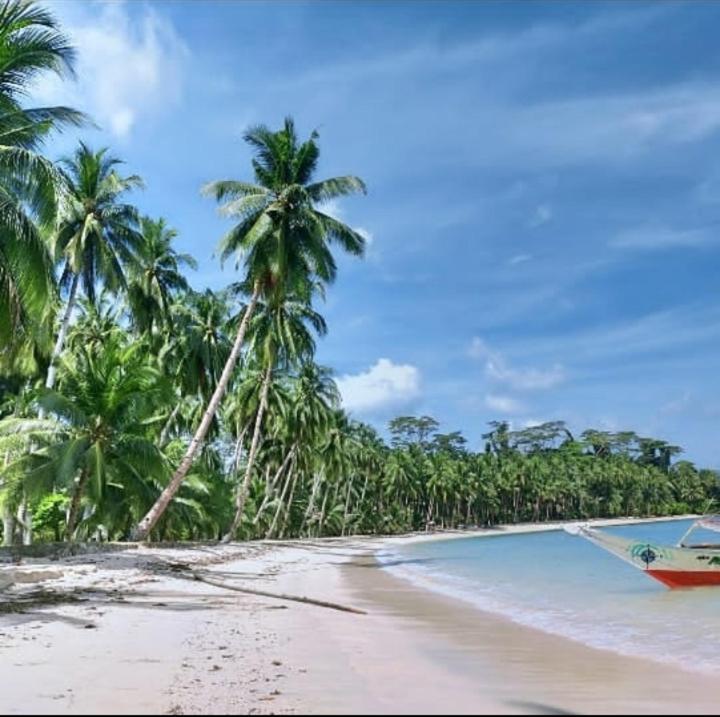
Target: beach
[115,633]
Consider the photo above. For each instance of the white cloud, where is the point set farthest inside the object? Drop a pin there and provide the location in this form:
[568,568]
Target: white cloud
[504,404]
[532,423]
[542,215]
[683,330]
[129,66]
[384,385]
[526,379]
[660,237]
[334,208]
[519,259]
[366,234]
[680,405]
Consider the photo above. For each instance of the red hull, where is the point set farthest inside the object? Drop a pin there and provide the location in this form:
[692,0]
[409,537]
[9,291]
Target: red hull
[686,578]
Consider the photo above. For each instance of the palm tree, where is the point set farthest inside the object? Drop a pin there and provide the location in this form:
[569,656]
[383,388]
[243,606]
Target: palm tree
[97,236]
[280,336]
[283,238]
[196,349]
[31,45]
[97,436]
[156,275]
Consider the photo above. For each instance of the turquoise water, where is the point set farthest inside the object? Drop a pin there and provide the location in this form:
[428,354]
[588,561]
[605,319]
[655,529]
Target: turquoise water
[565,585]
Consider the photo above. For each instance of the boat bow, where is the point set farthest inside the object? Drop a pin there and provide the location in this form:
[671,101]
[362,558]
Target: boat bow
[675,567]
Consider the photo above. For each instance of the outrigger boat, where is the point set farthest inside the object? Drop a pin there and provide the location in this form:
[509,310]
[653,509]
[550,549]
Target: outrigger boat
[680,566]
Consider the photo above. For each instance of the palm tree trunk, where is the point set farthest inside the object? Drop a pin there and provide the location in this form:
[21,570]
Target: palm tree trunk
[7,516]
[62,335]
[347,506]
[270,489]
[165,433]
[288,509]
[281,503]
[144,527]
[8,527]
[311,503]
[243,491]
[322,514]
[239,447]
[74,511]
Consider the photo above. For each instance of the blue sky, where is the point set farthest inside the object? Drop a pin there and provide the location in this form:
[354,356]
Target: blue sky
[543,211]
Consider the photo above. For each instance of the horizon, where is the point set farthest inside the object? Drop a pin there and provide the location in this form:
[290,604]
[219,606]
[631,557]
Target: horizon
[542,206]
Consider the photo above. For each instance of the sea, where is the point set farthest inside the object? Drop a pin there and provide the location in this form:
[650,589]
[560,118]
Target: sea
[564,585]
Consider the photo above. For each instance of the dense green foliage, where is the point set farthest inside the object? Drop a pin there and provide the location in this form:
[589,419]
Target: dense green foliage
[92,432]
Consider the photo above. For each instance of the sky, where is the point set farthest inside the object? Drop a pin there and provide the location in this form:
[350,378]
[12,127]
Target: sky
[543,207]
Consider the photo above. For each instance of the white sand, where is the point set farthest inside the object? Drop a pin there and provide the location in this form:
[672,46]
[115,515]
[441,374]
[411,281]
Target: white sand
[159,644]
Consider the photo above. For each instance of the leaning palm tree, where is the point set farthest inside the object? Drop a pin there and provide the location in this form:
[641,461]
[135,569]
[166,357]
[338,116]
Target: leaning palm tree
[281,236]
[98,234]
[31,45]
[156,278]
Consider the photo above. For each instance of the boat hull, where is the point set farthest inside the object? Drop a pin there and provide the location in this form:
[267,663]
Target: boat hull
[686,578]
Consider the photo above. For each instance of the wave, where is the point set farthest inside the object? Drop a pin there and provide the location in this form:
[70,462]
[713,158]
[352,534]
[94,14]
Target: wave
[661,645]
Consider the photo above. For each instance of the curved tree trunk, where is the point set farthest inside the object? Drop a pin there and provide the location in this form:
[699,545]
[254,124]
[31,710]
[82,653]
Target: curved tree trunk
[62,335]
[288,510]
[269,490]
[281,501]
[144,527]
[245,486]
[311,503]
[165,433]
[270,487]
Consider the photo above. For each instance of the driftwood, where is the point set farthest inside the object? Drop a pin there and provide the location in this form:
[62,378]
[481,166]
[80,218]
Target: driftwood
[276,596]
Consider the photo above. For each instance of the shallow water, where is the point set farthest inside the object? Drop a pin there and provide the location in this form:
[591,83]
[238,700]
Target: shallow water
[565,585]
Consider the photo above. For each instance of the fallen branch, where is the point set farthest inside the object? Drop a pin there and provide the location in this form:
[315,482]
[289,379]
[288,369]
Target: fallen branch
[276,596]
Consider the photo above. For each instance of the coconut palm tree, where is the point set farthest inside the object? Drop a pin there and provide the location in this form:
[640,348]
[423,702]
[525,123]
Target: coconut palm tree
[281,336]
[156,275]
[96,434]
[98,234]
[31,45]
[282,238]
[195,350]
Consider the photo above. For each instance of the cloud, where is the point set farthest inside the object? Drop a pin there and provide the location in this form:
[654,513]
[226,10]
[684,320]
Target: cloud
[519,259]
[658,237]
[129,66]
[366,234]
[527,379]
[508,122]
[683,330]
[532,423]
[504,404]
[384,385]
[542,215]
[334,208]
[683,404]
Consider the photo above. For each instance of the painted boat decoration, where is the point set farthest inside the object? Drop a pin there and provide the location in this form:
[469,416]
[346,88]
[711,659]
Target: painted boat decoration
[680,566]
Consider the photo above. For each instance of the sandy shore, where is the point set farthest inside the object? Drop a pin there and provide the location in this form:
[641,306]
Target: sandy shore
[117,633]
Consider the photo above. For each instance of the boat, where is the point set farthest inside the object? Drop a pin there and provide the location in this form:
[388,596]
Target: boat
[683,565]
